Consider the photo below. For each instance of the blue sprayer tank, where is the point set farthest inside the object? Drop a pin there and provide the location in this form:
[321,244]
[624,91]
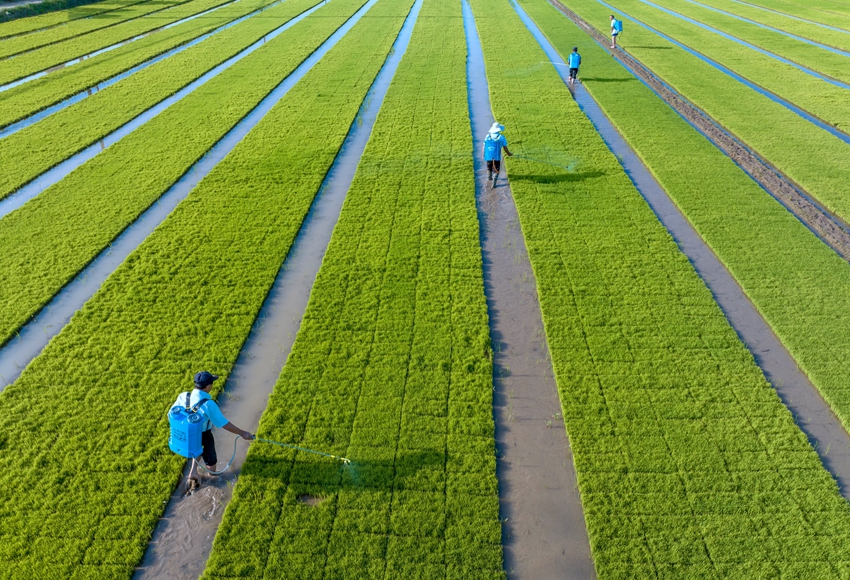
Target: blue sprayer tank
[186,428]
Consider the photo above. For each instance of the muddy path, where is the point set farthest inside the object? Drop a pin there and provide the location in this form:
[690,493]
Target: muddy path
[182,540]
[827,226]
[811,412]
[543,531]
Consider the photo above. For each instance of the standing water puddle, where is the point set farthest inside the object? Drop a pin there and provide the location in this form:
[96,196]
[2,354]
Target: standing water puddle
[100,51]
[60,171]
[183,538]
[32,119]
[543,532]
[811,413]
[35,335]
[762,91]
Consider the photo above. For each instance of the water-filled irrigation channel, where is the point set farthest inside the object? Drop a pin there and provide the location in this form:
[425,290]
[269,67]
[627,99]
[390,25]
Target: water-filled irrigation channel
[762,91]
[35,335]
[543,532]
[34,118]
[60,171]
[79,59]
[810,411]
[182,540]
[771,28]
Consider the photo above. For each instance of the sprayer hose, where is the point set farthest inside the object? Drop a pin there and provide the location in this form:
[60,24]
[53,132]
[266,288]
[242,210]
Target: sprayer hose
[226,467]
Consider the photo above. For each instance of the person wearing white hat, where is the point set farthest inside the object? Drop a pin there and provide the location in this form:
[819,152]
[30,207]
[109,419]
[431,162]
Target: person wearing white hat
[494,142]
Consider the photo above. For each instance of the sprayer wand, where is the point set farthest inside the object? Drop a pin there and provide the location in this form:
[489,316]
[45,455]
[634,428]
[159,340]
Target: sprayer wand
[343,459]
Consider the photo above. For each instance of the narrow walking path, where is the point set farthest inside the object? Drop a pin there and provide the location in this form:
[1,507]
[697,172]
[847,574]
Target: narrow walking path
[543,531]
[812,414]
[35,335]
[182,540]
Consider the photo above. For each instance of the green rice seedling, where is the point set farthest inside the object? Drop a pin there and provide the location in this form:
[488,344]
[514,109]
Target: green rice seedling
[683,451]
[85,481]
[401,286]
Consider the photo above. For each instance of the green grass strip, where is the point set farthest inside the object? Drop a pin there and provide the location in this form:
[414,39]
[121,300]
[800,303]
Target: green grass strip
[818,97]
[45,243]
[754,235]
[32,151]
[43,58]
[24,100]
[808,55]
[798,27]
[391,366]
[60,12]
[57,34]
[810,156]
[689,465]
[87,470]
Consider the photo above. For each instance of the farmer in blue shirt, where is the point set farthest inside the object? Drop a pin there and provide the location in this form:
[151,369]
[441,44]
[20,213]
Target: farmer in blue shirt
[494,142]
[574,60]
[616,29]
[212,416]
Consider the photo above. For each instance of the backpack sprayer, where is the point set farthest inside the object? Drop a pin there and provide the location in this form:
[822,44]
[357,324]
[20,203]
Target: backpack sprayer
[187,425]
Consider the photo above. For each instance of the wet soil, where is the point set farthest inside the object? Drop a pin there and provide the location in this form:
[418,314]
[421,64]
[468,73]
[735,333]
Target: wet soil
[543,531]
[829,227]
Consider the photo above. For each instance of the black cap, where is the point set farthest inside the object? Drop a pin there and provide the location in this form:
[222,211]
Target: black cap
[204,379]
[575,48]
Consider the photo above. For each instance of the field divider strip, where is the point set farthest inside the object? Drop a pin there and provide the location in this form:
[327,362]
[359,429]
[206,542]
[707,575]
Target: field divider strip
[16,126]
[31,339]
[826,225]
[267,347]
[79,59]
[773,29]
[811,412]
[60,171]
[538,490]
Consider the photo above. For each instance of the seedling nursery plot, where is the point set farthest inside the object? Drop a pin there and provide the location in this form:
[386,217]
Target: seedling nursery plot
[377,452]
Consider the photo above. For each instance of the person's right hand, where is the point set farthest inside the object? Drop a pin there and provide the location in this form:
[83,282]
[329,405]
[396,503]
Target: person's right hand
[247,436]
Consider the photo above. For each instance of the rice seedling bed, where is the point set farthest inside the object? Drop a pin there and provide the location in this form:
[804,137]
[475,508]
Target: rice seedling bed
[687,461]
[13,46]
[391,366]
[775,133]
[44,245]
[830,36]
[82,493]
[829,59]
[46,57]
[31,151]
[817,97]
[61,17]
[752,234]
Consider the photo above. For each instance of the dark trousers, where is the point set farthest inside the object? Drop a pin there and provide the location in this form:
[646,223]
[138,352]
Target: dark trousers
[573,72]
[208,443]
[495,166]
